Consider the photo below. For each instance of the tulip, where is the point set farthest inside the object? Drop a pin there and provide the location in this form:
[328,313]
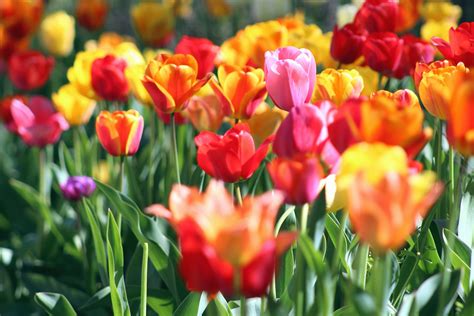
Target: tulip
[263,37]
[171,80]
[225,248]
[290,74]
[441,11]
[57,33]
[302,132]
[78,187]
[460,127]
[21,18]
[29,70]
[218,8]
[134,76]
[297,178]
[205,111]
[459,48]
[10,45]
[370,78]
[202,49]
[80,74]
[385,213]
[5,111]
[408,14]
[154,22]
[91,14]
[414,50]
[36,122]
[108,78]
[119,132]
[377,16]
[436,29]
[265,122]
[338,85]
[383,51]
[76,108]
[236,51]
[181,8]
[231,157]
[240,90]
[347,43]
[435,83]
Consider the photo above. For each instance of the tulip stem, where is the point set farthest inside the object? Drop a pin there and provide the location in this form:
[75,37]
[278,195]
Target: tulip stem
[175,146]
[300,266]
[340,240]
[121,188]
[150,158]
[361,265]
[77,150]
[439,141]
[238,193]
[453,221]
[42,192]
[243,306]
[283,218]
[382,275]
[143,292]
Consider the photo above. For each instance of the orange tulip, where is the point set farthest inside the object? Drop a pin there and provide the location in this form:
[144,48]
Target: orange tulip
[265,36]
[154,22]
[119,132]
[20,18]
[408,14]
[385,213]
[91,14]
[205,111]
[435,85]
[171,80]
[236,50]
[338,85]
[226,248]
[265,122]
[461,115]
[240,90]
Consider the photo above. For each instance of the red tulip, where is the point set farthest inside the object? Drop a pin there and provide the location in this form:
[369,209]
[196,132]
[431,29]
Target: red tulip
[347,43]
[108,78]
[343,122]
[225,248]
[377,16]
[29,70]
[414,50]
[383,51]
[231,157]
[297,178]
[461,44]
[202,49]
[37,122]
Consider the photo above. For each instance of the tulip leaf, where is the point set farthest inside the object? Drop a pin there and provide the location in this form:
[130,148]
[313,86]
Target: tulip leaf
[460,255]
[98,241]
[118,291]
[100,298]
[193,304]
[407,271]
[468,309]
[284,273]
[313,257]
[54,304]
[333,227]
[163,254]
[218,306]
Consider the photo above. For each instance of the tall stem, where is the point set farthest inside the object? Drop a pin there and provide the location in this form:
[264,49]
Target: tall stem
[238,193]
[340,240]
[243,306]
[77,150]
[361,265]
[382,273]
[150,158]
[121,188]
[143,292]
[300,267]
[175,147]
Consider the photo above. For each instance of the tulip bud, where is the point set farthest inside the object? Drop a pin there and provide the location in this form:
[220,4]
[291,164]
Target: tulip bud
[377,16]
[120,132]
[29,70]
[78,187]
[347,43]
[290,74]
[171,80]
[297,178]
[202,49]
[108,78]
[57,33]
[240,90]
[76,108]
[338,85]
[382,52]
[456,50]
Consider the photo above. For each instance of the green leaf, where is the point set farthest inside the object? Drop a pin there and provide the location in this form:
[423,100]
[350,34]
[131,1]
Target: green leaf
[163,254]
[468,309]
[98,240]
[99,299]
[333,229]
[460,255]
[313,257]
[118,291]
[219,306]
[407,271]
[285,273]
[192,305]
[54,304]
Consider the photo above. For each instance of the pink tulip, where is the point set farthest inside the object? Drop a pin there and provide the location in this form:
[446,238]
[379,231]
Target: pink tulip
[290,75]
[37,123]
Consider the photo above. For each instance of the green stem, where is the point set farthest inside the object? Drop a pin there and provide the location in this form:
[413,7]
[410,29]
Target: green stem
[77,150]
[238,194]
[439,150]
[300,267]
[361,265]
[150,158]
[175,147]
[283,218]
[379,83]
[243,306]
[340,240]
[382,274]
[453,222]
[42,174]
[143,292]
[121,188]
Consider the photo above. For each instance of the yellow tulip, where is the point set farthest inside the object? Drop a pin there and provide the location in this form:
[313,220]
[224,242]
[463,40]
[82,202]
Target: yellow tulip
[265,121]
[76,108]
[154,22]
[369,76]
[441,11]
[134,76]
[434,28]
[57,33]
[338,85]
[80,73]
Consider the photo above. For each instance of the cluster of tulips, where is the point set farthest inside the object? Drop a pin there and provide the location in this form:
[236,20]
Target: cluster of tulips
[274,137]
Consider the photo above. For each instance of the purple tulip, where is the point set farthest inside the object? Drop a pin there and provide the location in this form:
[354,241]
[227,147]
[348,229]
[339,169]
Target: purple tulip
[77,187]
[290,75]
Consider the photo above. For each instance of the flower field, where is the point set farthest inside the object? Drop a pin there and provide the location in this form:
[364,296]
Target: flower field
[235,157]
